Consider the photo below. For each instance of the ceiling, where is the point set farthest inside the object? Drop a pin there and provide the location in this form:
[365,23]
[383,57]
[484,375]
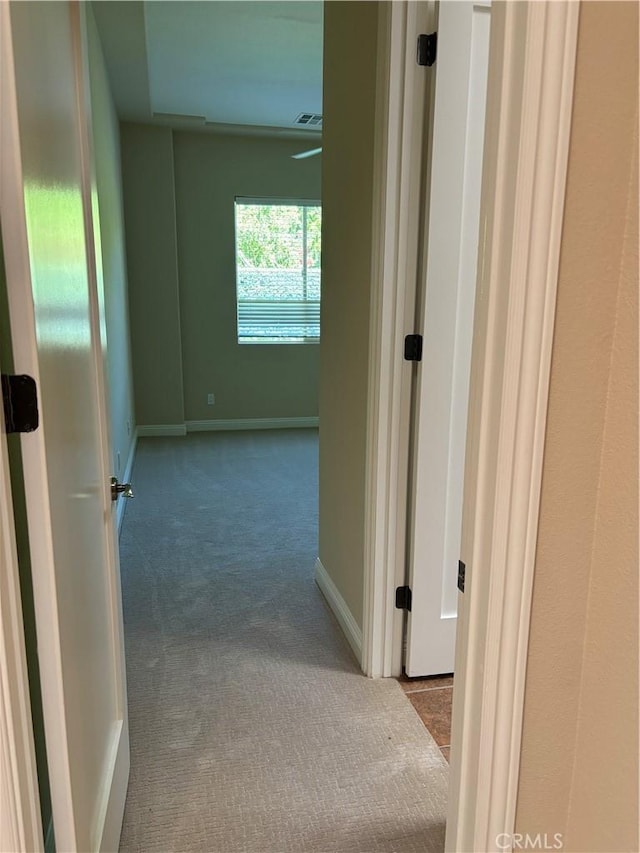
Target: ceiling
[234,66]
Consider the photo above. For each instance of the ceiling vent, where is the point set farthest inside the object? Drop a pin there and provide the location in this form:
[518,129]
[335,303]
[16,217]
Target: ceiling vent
[310,120]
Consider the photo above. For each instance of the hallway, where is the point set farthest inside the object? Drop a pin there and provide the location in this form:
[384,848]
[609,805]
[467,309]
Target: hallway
[252,729]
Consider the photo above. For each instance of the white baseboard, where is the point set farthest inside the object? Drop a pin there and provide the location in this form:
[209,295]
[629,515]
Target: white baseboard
[153,430]
[340,610]
[251,423]
[126,478]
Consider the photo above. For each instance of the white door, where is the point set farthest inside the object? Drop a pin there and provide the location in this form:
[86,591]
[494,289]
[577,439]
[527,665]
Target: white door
[46,214]
[447,324]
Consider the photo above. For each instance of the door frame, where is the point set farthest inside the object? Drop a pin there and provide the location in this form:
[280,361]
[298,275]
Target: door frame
[529,104]
[20,820]
[404,99]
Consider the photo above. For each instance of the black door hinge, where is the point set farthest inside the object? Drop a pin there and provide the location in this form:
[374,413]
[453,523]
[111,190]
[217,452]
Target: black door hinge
[20,401]
[403,597]
[462,570]
[413,348]
[427,48]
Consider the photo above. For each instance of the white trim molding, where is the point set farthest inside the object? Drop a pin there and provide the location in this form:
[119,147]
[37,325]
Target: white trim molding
[402,88]
[251,423]
[530,92]
[225,424]
[20,823]
[339,609]
[160,430]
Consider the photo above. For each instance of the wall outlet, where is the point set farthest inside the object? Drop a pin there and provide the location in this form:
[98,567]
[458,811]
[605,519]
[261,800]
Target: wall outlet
[118,463]
[211,399]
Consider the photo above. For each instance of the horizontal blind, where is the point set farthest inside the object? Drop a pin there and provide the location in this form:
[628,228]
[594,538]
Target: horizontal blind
[269,319]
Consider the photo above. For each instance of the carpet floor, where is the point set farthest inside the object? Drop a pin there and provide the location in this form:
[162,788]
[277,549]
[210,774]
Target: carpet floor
[252,728]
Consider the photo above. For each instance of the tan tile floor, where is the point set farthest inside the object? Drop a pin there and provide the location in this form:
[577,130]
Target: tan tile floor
[431,698]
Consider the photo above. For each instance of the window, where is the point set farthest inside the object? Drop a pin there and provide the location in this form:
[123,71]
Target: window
[278,271]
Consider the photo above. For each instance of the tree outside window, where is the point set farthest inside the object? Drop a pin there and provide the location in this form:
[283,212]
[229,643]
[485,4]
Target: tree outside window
[278,247]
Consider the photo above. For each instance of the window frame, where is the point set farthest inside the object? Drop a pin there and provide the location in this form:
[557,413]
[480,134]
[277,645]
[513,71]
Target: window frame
[272,201]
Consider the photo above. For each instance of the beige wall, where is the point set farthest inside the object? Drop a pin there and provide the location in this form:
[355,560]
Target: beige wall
[579,772]
[249,381]
[152,263]
[106,143]
[179,199]
[350,32]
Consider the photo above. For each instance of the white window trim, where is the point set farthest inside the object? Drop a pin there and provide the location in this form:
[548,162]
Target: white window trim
[282,202]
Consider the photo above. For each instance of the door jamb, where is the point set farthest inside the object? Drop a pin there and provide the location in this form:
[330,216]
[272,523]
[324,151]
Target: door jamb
[20,820]
[530,95]
[529,101]
[402,98]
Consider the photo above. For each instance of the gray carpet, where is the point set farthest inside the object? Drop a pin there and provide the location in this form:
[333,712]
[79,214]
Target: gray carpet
[252,729]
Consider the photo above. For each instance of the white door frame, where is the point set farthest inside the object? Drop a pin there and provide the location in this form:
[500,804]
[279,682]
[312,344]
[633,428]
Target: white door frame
[20,821]
[529,101]
[531,76]
[403,93]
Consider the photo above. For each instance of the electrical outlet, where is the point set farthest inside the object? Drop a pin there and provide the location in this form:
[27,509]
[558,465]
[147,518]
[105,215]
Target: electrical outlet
[118,462]
[211,399]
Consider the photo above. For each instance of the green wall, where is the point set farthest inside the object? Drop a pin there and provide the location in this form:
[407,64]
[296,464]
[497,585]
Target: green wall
[249,381]
[106,144]
[182,294]
[348,130]
[150,230]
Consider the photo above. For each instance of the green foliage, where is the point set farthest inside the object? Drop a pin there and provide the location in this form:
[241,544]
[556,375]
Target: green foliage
[270,236]
[314,229]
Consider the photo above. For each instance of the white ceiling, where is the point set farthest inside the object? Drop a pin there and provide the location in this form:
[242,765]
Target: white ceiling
[226,64]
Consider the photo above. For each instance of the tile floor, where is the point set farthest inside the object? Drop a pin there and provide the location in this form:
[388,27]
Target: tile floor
[431,698]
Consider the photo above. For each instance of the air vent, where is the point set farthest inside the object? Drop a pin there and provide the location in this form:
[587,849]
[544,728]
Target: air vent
[312,120]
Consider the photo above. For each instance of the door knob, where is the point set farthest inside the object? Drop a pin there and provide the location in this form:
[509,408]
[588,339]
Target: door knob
[123,489]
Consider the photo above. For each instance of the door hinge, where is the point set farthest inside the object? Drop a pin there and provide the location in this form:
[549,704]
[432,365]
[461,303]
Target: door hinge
[413,348]
[20,401]
[462,570]
[403,597]
[427,48]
